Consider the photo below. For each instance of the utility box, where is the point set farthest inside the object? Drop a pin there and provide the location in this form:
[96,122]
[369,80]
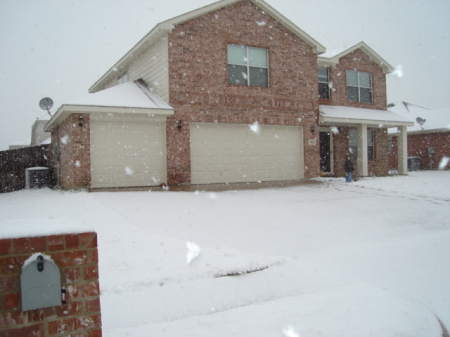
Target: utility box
[37,177]
[40,283]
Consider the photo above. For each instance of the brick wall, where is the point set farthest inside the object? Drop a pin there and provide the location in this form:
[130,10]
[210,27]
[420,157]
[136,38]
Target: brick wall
[378,167]
[73,163]
[77,258]
[356,60]
[199,89]
[418,145]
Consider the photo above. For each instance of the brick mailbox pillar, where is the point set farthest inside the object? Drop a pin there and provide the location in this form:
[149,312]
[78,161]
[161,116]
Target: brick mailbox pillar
[76,256]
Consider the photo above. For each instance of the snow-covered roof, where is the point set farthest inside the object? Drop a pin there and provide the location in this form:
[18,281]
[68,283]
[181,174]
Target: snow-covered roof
[167,26]
[334,56]
[342,115]
[434,120]
[131,97]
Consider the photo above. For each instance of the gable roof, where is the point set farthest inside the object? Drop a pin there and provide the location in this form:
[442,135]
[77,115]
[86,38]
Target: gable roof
[387,68]
[167,26]
[130,97]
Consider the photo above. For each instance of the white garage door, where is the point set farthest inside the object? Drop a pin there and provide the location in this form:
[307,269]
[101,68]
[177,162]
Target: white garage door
[222,153]
[128,152]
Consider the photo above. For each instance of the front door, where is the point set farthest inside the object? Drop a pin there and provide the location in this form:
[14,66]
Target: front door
[326,152]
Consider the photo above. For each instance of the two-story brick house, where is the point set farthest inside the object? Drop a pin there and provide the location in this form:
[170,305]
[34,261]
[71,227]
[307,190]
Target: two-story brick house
[226,93]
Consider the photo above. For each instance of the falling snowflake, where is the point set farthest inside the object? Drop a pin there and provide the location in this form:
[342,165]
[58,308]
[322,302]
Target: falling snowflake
[193,251]
[444,162]
[128,171]
[255,127]
[290,332]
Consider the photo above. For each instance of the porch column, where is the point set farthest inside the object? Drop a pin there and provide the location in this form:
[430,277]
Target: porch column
[363,168]
[402,150]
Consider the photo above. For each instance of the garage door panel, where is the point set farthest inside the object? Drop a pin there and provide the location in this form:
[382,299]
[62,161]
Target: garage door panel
[127,153]
[234,153]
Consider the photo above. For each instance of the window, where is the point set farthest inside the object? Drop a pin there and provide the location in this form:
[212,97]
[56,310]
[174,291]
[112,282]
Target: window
[248,66]
[359,86]
[370,145]
[123,78]
[324,86]
[353,144]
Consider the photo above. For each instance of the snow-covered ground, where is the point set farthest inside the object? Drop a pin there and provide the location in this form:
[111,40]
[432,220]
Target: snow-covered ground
[369,258]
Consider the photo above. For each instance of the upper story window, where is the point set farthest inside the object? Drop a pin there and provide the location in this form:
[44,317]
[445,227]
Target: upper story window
[359,86]
[324,83]
[123,78]
[248,66]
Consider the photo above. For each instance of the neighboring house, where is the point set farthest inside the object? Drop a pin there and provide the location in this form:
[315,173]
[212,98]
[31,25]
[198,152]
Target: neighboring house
[38,135]
[428,138]
[226,93]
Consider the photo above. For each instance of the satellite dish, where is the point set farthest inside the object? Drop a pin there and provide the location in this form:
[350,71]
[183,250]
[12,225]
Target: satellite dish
[420,121]
[46,104]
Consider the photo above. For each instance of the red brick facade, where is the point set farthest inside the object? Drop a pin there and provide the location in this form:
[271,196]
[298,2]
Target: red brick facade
[378,167]
[360,61]
[76,256]
[199,89]
[70,151]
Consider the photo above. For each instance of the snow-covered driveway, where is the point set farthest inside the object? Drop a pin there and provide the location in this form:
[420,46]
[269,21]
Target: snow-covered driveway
[332,259]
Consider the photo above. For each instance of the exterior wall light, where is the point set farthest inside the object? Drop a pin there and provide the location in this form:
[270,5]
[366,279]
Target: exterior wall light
[313,128]
[80,121]
[180,124]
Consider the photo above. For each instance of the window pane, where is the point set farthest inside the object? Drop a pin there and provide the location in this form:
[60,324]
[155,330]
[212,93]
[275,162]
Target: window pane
[237,54]
[257,57]
[371,153]
[352,78]
[352,94]
[352,137]
[323,74]
[370,137]
[324,92]
[237,75]
[258,77]
[364,80]
[366,95]
[353,151]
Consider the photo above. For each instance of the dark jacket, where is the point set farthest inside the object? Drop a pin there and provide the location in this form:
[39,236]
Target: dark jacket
[348,166]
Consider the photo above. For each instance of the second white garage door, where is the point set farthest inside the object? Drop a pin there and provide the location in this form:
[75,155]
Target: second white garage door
[222,153]
[128,152]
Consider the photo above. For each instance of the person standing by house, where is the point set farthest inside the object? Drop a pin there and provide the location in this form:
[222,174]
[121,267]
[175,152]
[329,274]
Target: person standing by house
[348,168]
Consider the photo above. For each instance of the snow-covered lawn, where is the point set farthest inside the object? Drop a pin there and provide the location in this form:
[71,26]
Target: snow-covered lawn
[370,258]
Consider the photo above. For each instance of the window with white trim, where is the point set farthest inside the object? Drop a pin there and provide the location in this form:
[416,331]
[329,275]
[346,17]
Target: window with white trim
[324,83]
[353,144]
[248,66]
[359,86]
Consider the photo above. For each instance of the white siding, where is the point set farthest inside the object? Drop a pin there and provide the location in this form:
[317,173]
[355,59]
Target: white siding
[153,67]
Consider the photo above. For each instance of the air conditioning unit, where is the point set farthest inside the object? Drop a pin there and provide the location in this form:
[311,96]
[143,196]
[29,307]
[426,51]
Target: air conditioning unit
[37,177]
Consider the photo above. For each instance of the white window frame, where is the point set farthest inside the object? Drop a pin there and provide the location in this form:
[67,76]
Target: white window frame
[248,66]
[327,82]
[353,144]
[360,86]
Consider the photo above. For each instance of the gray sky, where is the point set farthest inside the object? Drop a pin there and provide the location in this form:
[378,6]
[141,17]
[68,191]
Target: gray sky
[59,48]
